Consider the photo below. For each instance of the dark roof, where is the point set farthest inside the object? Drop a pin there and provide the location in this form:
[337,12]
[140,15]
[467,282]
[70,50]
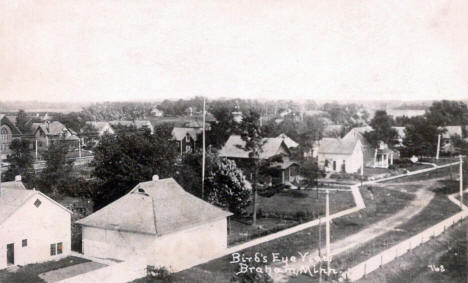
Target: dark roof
[156,207]
[271,147]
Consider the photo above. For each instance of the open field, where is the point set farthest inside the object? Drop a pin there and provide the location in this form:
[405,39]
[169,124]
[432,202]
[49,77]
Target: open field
[29,273]
[449,250]
[378,208]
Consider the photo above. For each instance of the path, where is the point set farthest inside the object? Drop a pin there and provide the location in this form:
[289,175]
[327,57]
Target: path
[421,200]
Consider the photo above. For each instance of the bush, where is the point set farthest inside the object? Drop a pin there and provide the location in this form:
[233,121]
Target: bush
[252,277]
[158,273]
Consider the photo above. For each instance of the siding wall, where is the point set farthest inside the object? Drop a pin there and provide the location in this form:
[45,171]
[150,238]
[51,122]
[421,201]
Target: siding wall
[41,226]
[171,249]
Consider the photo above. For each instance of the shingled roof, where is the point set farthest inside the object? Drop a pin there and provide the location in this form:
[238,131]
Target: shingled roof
[271,147]
[288,141]
[337,146]
[156,207]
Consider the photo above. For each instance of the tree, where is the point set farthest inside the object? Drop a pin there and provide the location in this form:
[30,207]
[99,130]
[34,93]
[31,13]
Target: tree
[20,160]
[459,145]
[447,113]
[252,136]
[420,137]
[223,128]
[310,171]
[21,121]
[382,130]
[55,178]
[224,183]
[127,158]
[225,186]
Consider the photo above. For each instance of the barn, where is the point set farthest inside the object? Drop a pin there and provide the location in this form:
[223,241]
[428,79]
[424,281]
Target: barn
[33,227]
[159,221]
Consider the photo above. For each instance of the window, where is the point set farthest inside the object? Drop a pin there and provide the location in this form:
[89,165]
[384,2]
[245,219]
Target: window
[53,250]
[24,243]
[37,203]
[59,248]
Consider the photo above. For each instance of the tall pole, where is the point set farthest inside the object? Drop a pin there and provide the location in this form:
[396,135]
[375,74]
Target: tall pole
[36,149]
[1,161]
[327,219]
[461,180]
[438,147]
[203,158]
[79,147]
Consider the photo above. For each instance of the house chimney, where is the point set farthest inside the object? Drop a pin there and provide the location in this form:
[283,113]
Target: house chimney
[18,178]
[155,177]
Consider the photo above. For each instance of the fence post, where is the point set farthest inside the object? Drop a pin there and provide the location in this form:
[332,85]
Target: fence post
[381,260]
[365,268]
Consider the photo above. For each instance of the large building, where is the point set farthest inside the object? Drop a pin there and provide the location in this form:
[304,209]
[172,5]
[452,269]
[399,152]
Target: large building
[8,132]
[33,227]
[157,220]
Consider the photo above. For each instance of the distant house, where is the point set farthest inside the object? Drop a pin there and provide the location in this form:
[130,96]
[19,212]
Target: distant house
[290,143]
[340,155]
[8,132]
[272,147]
[380,157]
[401,136]
[450,131]
[33,227]
[158,221]
[156,112]
[93,131]
[139,124]
[185,138]
[49,132]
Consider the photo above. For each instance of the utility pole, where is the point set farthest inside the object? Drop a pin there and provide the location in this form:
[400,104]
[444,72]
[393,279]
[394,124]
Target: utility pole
[203,157]
[461,180]
[327,228]
[438,147]
[79,147]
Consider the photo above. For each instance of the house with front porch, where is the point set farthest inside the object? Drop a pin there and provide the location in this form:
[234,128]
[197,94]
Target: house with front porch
[49,132]
[284,170]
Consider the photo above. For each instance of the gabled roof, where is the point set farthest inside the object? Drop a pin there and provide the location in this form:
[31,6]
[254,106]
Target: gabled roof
[452,131]
[180,133]
[14,195]
[338,146]
[290,143]
[156,207]
[5,120]
[53,128]
[271,147]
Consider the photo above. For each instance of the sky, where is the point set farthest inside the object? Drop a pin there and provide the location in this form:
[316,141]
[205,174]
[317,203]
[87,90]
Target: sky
[87,50]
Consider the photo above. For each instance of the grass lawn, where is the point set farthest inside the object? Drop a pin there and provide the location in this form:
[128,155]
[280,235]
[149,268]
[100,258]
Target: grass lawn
[438,173]
[436,211]
[449,250]
[378,207]
[29,273]
[287,209]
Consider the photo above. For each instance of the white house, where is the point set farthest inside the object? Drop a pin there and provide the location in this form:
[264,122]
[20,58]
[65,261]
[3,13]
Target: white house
[340,155]
[33,227]
[157,221]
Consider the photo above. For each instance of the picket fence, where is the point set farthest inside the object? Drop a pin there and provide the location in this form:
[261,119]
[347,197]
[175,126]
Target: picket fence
[377,261]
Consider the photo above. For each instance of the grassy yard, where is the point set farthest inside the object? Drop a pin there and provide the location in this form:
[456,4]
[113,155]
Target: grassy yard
[29,273]
[287,209]
[378,207]
[449,250]
[437,210]
[445,172]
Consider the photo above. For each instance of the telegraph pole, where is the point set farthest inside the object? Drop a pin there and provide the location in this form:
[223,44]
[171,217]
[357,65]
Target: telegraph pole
[327,219]
[438,147]
[203,157]
[461,180]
